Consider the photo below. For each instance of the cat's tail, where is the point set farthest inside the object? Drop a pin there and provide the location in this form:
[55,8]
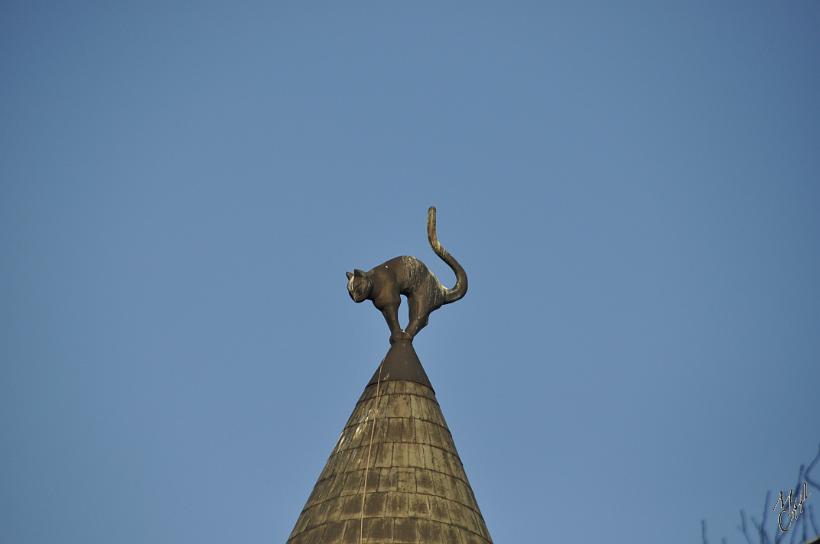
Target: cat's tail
[460,288]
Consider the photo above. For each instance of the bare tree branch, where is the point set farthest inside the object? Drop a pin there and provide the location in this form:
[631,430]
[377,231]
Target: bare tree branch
[764,536]
[809,469]
[761,531]
[794,529]
[811,517]
[799,527]
[805,532]
[743,527]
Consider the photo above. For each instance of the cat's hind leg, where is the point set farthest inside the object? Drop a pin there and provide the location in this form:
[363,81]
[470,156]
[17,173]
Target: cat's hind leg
[418,316]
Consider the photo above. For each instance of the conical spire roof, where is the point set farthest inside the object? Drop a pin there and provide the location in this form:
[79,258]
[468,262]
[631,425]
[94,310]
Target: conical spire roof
[394,475]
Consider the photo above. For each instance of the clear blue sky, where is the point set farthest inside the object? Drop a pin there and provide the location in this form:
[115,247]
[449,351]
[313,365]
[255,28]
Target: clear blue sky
[633,190]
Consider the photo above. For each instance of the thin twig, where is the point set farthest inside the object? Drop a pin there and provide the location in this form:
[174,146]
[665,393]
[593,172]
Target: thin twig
[805,529]
[803,475]
[794,529]
[761,530]
[743,527]
[764,535]
[811,518]
[809,469]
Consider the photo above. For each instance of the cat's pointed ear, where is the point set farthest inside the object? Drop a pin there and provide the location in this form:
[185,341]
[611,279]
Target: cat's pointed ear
[358,272]
[349,275]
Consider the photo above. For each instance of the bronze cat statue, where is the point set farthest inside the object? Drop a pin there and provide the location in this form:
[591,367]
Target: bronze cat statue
[408,276]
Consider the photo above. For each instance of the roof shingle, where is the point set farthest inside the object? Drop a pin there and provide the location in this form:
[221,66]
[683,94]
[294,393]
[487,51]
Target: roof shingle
[395,452]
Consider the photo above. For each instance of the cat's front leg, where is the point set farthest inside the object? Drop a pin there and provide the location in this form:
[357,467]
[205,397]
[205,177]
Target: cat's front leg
[391,315]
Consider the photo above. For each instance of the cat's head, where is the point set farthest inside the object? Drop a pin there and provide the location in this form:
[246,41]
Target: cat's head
[358,285]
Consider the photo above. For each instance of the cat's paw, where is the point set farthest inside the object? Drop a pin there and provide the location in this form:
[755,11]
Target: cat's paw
[400,336]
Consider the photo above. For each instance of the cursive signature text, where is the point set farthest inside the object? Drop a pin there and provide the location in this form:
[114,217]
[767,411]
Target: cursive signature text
[793,506]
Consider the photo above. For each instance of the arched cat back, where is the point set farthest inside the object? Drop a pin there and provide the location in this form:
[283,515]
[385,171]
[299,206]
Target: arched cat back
[408,276]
